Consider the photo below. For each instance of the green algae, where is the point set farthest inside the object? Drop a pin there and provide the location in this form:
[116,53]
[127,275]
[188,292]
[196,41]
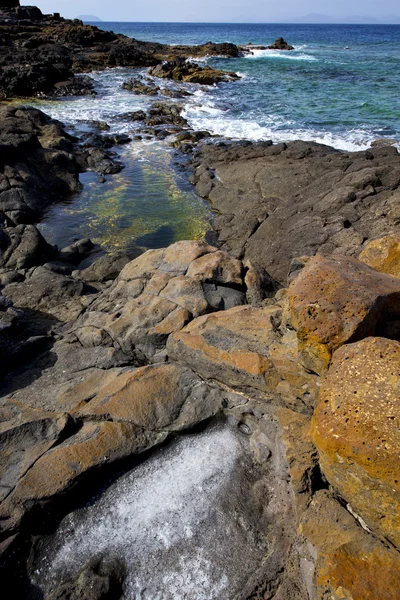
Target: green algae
[148,204]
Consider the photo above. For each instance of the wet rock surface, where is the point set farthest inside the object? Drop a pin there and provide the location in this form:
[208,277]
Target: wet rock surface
[190,72]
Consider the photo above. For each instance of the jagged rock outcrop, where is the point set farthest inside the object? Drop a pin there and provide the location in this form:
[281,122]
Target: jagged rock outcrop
[190,72]
[40,162]
[40,54]
[280,44]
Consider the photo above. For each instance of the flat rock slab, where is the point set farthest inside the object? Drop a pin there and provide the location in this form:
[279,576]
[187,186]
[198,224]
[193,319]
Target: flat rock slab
[277,202]
[356,431]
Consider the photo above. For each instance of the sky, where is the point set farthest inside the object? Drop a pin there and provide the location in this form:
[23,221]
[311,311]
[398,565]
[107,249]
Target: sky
[228,11]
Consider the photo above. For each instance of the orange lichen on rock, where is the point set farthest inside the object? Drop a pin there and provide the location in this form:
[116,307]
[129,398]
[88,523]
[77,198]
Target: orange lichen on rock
[356,430]
[336,300]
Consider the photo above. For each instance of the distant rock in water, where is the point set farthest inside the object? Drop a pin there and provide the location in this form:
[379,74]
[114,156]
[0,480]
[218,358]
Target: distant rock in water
[90,18]
[280,44]
[182,70]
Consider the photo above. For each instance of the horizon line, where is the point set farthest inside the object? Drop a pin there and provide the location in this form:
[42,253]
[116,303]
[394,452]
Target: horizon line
[247,22]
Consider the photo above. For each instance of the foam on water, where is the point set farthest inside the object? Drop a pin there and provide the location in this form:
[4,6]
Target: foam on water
[257,54]
[166,522]
[203,114]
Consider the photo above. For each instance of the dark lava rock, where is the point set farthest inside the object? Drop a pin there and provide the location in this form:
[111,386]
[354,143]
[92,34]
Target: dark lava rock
[138,86]
[36,164]
[280,44]
[38,52]
[166,113]
[40,162]
[277,202]
[23,246]
[182,70]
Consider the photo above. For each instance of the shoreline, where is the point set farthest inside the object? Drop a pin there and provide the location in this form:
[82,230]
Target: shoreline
[280,344]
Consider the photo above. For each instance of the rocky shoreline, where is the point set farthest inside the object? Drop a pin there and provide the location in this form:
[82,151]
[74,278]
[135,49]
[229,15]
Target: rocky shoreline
[285,335]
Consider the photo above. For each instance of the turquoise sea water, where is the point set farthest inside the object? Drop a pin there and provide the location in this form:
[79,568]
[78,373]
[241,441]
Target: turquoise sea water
[340,86]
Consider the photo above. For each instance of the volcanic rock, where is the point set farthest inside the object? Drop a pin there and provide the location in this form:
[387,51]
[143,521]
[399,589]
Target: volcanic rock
[279,202]
[355,428]
[181,70]
[383,254]
[280,44]
[336,300]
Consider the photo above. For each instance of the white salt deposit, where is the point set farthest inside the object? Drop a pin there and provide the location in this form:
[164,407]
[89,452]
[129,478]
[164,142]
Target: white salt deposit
[172,522]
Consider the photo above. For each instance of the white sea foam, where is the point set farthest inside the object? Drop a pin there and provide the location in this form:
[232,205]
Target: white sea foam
[165,522]
[280,54]
[277,131]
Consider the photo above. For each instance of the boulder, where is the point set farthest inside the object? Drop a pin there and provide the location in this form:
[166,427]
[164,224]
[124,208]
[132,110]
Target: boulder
[156,294]
[383,254]
[23,246]
[190,72]
[347,557]
[280,44]
[231,347]
[355,428]
[338,299]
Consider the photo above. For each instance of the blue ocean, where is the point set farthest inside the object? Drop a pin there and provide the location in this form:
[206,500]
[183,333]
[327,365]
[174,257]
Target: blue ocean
[340,86]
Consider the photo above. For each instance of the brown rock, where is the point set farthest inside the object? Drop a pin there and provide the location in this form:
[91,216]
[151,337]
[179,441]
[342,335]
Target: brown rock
[356,431]
[23,439]
[217,267]
[338,299]
[231,347]
[301,454]
[350,564]
[57,470]
[383,254]
[158,293]
[151,398]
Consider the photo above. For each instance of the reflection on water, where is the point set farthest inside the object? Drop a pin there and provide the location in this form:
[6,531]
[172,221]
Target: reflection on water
[148,204]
